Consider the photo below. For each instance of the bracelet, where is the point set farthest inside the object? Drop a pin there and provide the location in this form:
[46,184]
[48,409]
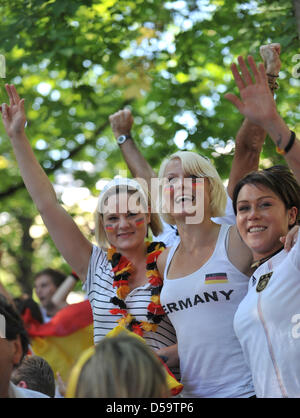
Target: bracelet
[74,275]
[272,82]
[289,144]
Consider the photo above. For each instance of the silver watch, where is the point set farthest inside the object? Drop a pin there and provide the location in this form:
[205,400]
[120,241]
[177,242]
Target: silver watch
[122,138]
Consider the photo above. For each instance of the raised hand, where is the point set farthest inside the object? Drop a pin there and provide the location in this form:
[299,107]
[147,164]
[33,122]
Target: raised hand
[121,122]
[13,116]
[256,101]
[291,238]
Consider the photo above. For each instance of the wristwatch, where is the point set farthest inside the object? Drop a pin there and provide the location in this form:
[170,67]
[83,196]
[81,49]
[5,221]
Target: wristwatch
[122,138]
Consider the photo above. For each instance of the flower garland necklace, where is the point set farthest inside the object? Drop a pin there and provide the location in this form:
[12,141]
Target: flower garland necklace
[122,268]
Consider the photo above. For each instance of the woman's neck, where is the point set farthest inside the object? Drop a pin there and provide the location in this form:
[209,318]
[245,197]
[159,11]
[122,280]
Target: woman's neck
[135,255]
[195,236]
[259,259]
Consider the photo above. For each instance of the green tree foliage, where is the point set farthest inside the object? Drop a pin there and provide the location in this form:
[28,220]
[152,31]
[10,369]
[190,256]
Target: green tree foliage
[76,62]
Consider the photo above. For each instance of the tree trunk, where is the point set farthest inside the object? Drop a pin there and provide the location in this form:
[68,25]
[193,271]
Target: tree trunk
[25,258]
[297,14]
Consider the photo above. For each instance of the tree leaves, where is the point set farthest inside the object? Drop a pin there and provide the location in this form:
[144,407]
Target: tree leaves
[78,62]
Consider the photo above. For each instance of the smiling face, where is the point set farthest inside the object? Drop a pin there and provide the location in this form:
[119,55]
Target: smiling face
[186,196]
[125,228]
[262,219]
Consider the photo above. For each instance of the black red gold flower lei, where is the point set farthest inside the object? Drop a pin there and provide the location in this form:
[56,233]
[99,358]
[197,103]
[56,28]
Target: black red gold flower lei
[122,269]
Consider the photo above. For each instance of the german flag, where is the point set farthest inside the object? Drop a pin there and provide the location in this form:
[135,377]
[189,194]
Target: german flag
[62,340]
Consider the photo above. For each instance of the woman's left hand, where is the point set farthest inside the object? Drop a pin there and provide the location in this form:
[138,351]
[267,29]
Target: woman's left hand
[256,101]
[290,239]
[13,116]
[169,355]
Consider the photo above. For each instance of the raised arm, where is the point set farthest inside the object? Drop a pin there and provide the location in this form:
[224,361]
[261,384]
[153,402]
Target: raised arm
[60,296]
[258,105]
[248,145]
[69,240]
[121,124]
[250,137]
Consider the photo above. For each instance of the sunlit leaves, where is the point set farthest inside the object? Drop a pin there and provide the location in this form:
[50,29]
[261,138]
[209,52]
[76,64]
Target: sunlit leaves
[77,62]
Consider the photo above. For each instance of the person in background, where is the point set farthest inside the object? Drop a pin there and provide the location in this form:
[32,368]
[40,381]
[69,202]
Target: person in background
[36,374]
[13,348]
[52,288]
[26,302]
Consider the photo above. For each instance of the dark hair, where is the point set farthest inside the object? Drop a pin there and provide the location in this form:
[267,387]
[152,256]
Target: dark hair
[279,179]
[37,374]
[22,304]
[14,326]
[56,276]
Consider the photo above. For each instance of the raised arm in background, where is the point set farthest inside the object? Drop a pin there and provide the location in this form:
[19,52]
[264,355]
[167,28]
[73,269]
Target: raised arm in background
[248,144]
[60,296]
[258,105]
[250,137]
[68,238]
[121,124]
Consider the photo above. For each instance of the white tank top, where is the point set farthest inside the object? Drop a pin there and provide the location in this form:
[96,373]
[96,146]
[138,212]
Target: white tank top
[201,307]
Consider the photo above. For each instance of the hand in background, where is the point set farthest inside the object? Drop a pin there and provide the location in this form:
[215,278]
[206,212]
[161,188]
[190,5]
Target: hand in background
[13,116]
[256,101]
[121,122]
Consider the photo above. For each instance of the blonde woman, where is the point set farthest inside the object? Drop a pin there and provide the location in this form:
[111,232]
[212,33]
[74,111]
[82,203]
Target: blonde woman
[118,367]
[206,276]
[123,285]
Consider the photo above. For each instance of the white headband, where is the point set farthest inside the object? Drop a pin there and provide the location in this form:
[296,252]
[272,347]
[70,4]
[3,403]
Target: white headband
[121,181]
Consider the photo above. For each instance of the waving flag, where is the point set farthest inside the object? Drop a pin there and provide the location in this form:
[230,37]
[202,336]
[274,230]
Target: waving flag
[62,340]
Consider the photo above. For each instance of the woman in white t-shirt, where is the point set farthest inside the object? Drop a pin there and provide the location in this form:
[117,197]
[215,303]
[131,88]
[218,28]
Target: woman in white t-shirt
[267,205]
[267,321]
[123,284]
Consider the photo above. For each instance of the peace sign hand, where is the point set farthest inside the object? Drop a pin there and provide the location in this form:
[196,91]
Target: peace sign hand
[13,116]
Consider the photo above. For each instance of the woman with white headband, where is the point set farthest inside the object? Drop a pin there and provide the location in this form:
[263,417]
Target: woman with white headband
[123,284]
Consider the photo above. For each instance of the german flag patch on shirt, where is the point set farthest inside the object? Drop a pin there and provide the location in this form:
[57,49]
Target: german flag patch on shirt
[214,278]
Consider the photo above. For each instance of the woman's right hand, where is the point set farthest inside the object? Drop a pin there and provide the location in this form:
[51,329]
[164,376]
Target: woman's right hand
[121,122]
[13,116]
[290,239]
[256,101]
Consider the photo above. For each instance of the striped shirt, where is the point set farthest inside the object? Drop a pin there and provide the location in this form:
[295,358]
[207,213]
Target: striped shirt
[99,288]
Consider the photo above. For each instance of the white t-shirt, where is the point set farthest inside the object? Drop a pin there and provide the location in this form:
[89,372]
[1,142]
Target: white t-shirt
[201,307]
[46,318]
[267,324]
[99,288]
[18,392]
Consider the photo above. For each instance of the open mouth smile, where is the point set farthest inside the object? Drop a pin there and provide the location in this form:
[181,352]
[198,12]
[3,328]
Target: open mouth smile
[254,229]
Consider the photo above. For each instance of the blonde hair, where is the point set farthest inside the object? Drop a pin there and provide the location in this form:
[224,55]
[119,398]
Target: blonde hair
[197,165]
[118,186]
[122,367]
